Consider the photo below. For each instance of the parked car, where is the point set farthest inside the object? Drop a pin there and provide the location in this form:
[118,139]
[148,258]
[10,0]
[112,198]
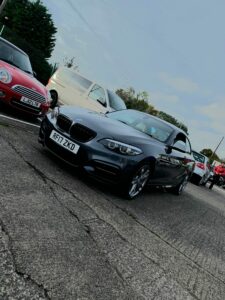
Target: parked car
[128,148]
[70,88]
[18,87]
[201,171]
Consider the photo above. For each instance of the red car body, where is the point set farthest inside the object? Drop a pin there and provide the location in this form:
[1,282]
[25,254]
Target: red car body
[20,90]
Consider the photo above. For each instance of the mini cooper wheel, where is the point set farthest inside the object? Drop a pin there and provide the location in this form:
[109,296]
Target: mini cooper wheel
[177,190]
[138,181]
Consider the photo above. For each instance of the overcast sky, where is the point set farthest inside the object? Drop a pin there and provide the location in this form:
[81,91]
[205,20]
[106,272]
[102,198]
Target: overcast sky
[174,50]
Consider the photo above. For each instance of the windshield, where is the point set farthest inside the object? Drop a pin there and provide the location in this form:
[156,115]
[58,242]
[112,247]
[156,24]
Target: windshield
[14,57]
[115,101]
[144,123]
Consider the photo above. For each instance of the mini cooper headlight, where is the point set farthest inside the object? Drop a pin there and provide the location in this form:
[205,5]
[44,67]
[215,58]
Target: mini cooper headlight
[120,147]
[5,76]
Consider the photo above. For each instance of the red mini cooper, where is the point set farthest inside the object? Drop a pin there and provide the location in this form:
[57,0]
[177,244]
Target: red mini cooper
[18,87]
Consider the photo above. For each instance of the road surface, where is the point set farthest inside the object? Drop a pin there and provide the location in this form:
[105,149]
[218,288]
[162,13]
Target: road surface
[64,236]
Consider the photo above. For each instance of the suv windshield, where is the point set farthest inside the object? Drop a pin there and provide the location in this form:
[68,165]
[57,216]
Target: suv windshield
[14,57]
[115,101]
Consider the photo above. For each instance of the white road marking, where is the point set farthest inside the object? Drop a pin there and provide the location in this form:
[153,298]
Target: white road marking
[19,121]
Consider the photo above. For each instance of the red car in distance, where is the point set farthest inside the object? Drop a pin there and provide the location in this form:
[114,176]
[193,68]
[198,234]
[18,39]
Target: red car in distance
[18,87]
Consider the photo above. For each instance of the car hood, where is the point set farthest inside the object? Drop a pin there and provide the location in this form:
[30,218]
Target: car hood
[106,127]
[22,78]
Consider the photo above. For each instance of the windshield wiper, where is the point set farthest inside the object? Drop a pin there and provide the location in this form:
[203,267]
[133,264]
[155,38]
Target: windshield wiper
[123,122]
[29,72]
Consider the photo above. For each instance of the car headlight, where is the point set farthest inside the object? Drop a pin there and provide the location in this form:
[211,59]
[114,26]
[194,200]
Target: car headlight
[55,113]
[120,147]
[5,76]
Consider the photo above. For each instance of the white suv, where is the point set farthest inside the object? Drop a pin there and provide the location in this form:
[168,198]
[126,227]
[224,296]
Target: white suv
[201,171]
[69,87]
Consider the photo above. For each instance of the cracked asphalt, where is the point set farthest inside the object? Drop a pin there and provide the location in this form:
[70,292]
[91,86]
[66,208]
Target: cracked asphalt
[64,236]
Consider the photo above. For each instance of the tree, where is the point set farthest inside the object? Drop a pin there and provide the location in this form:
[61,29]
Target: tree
[166,117]
[140,101]
[210,154]
[137,101]
[30,27]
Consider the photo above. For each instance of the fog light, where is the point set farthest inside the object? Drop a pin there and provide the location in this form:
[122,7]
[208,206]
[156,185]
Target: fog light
[2,94]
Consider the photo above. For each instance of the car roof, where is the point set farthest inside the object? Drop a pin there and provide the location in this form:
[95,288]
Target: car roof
[13,46]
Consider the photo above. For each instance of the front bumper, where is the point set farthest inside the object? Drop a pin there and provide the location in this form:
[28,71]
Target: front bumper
[92,156]
[12,99]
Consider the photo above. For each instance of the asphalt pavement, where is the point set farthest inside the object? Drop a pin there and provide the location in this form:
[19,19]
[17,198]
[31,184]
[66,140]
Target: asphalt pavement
[64,236]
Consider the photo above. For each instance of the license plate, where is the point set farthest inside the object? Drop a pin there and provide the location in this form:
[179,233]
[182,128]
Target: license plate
[64,142]
[30,102]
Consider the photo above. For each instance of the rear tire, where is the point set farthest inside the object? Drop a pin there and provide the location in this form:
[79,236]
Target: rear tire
[178,189]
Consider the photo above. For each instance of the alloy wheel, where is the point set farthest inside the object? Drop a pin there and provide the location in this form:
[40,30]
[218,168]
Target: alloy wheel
[138,181]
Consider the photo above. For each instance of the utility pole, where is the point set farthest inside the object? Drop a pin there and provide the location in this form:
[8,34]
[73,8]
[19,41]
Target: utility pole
[216,147]
[2,5]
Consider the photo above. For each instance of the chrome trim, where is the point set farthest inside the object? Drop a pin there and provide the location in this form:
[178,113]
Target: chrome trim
[29,93]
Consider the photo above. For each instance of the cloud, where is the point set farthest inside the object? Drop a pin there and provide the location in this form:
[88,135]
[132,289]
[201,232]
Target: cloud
[215,112]
[178,83]
[163,97]
[202,137]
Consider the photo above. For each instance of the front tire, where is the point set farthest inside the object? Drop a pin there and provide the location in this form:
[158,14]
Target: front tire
[137,182]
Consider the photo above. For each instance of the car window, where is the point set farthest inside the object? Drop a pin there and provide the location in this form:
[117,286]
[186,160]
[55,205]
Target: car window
[72,78]
[97,93]
[181,145]
[85,83]
[180,142]
[198,157]
[115,101]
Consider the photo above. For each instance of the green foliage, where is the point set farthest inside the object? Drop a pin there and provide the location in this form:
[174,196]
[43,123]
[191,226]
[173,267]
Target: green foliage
[140,101]
[136,101]
[209,153]
[166,117]
[30,27]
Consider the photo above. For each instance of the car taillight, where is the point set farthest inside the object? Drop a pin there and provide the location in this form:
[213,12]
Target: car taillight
[200,165]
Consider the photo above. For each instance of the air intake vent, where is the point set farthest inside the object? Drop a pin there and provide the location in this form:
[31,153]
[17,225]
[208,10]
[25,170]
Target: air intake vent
[64,123]
[82,133]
